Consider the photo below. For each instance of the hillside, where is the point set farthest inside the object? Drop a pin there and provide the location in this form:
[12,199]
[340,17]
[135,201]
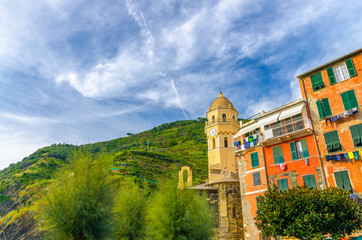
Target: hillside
[148,157]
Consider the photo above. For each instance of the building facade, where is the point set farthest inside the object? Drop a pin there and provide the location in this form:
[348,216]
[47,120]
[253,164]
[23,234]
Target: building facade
[277,149]
[314,141]
[334,94]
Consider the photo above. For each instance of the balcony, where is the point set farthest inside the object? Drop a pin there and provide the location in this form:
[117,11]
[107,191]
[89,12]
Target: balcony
[286,131]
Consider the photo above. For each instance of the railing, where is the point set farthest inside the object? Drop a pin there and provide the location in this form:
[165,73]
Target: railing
[281,129]
[221,120]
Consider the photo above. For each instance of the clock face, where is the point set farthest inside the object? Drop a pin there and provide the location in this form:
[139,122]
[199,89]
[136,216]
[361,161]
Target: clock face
[212,132]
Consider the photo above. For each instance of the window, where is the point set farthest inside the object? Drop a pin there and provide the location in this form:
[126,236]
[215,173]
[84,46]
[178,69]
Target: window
[324,109]
[341,72]
[224,117]
[278,155]
[309,180]
[299,149]
[349,100]
[254,160]
[226,142]
[342,180]
[256,177]
[233,117]
[356,132]
[317,81]
[283,184]
[213,144]
[213,117]
[332,141]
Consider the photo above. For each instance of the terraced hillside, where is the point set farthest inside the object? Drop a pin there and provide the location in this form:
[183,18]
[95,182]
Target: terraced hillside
[148,157]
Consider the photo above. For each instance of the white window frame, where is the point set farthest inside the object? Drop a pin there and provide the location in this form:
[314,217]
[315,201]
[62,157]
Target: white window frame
[341,72]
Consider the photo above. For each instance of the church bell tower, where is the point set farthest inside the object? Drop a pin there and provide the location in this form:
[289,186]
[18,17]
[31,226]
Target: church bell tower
[222,124]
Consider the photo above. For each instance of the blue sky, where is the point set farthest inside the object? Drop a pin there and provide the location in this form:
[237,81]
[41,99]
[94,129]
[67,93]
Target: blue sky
[87,71]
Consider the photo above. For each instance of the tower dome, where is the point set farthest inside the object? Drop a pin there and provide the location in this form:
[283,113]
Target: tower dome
[221,102]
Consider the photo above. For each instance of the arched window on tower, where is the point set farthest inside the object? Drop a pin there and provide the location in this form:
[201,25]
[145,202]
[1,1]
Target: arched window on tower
[233,117]
[213,143]
[224,117]
[226,142]
[213,118]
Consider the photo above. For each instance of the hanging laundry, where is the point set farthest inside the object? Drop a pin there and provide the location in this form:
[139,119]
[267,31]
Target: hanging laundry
[306,161]
[346,157]
[268,133]
[340,116]
[255,143]
[351,155]
[334,157]
[360,153]
[333,119]
[235,144]
[356,155]
[255,136]
[282,166]
[250,139]
[354,110]
[239,143]
[348,112]
[247,145]
[338,157]
[251,144]
[328,158]
[242,141]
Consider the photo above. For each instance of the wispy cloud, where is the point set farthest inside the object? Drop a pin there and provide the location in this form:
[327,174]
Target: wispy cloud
[80,71]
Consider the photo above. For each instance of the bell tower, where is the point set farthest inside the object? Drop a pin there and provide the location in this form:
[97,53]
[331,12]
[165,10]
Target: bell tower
[222,124]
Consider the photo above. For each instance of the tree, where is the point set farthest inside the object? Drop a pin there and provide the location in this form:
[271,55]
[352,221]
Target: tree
[308,213]
[177,214]
[130,211]
[79,204]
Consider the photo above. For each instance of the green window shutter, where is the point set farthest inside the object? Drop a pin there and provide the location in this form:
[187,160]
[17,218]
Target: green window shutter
[332,78]
[335,140]
[254,160]
[345,101]
[256,177]
[283,184]
[351,70]
[356,132]
[309,180]
[275,155]
[328,137]
[306,180]
[320,109]
[246,134]
[280,154]
[317,81]
[352,99]
[293,150]
[346,181]
[339,180]
[305,148]
[326,107]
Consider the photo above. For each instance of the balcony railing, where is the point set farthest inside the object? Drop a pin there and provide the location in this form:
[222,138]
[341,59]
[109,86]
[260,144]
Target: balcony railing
[281,129]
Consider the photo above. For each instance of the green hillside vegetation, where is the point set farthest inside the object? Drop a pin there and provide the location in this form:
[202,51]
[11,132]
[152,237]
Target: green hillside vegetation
[147,158]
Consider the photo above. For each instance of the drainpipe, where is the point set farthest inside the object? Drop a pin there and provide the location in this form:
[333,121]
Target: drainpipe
[315,137]
[266,172]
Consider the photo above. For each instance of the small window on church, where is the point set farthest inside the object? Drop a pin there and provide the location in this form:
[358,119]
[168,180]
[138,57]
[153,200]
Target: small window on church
[233,117]
[213,144]
[226,142]
[213,118]
[224,117]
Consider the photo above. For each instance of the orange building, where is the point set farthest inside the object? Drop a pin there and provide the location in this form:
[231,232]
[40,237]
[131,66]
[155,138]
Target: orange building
[334,95]
[277,147]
